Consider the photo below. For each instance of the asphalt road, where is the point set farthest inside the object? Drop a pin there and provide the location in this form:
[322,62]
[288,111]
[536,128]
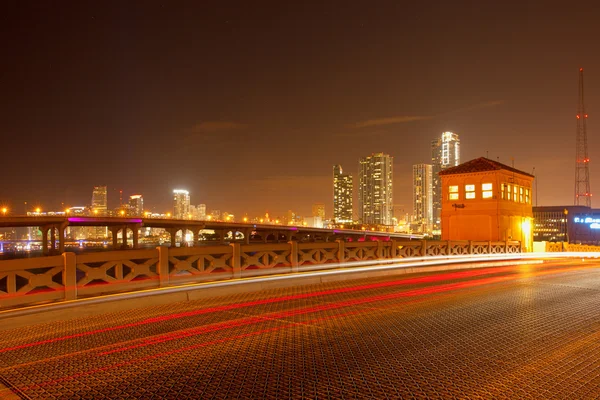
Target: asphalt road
[526,331]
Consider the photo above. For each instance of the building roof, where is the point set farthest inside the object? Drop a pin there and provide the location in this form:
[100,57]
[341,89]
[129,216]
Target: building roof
[481,164]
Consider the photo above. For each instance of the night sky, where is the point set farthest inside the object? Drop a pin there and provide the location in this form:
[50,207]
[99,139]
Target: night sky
[249,104]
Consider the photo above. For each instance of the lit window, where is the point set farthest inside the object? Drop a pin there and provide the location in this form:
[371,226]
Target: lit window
[469,191]
[521,194]
[453,189]
[502,189]
[486,191]
[508,192]
[453,196]
[527,196]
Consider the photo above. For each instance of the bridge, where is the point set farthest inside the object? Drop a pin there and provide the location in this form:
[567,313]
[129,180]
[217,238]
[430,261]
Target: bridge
[53,230]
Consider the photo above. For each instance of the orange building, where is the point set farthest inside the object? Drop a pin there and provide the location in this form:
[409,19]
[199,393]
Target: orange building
[483,199]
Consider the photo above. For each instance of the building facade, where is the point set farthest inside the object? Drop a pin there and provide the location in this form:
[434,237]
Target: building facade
[318,210]
[100,200]
[342,195]
[570,224]
[484,200]
[375,190]
[99,208]
[201,210]
[181,204]
[136,205]
[445,153]
[422,198]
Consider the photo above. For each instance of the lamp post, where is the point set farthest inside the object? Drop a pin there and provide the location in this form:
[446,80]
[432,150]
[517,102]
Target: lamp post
[566,212]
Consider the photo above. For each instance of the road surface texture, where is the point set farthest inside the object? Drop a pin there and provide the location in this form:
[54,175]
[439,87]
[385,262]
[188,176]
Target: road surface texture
[525,331]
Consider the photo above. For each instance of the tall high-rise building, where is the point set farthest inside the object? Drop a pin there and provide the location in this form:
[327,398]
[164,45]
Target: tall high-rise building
[136,204]
[318,210]
[99,200]
[375,203]
[342,195]
[181,204]
[445,153]
[422,197]
[201,210]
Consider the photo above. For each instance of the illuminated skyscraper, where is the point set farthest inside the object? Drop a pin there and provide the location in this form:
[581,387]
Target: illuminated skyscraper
[99,208]
[99,200]
[445,153]
[375,204]
[136,204]
[342,195]
[318,210]
[422,197]
[181,204]
[201,210]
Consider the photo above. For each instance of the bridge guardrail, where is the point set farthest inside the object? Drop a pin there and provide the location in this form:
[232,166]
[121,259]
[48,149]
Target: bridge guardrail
[71,276]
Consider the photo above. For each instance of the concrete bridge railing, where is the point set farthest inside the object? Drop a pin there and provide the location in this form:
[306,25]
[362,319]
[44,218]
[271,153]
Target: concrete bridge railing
[553,247]
[73,276]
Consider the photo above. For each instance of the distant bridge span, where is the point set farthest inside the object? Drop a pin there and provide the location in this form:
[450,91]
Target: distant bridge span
[53,229]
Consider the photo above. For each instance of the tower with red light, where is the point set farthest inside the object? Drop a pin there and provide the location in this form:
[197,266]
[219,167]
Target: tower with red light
[583,195]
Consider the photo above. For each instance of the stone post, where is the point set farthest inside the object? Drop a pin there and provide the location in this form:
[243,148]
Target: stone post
[236,260]
[394,251]
[70,275]
[341,254]
[294,255]
[163,265]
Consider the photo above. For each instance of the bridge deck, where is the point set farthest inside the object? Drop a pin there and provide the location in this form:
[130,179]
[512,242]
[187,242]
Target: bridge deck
[528,331]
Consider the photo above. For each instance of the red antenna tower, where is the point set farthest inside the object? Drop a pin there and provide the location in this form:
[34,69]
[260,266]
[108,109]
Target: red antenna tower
[583,196]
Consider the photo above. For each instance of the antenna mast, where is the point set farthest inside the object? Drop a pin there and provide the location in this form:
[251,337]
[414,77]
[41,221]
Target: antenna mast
[583,196]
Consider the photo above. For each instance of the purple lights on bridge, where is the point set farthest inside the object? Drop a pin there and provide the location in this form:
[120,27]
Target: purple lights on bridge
[93,219]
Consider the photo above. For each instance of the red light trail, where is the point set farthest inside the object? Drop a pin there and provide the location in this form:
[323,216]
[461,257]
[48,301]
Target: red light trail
[409,281]
[446,288]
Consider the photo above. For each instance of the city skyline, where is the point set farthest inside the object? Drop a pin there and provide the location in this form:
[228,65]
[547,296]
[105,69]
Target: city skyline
[168,108]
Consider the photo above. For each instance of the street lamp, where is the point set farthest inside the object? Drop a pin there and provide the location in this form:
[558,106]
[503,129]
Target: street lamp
[4,211]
